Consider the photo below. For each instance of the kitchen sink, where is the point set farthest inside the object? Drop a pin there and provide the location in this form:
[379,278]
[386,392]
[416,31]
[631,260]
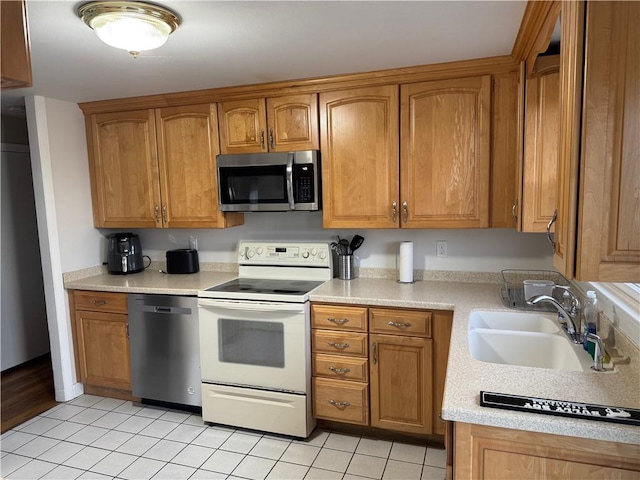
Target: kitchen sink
[524,339]
[523,322]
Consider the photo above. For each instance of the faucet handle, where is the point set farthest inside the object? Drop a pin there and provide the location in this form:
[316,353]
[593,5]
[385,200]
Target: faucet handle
[575,301]
[598,353]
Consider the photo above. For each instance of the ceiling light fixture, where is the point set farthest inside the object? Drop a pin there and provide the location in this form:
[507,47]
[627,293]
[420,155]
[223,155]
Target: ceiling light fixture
[132,26]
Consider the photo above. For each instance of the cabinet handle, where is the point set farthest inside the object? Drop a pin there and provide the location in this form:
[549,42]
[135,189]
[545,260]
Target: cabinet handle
[375,352]
[338,321]
[339,404]
[551,222]
[127,329]
[164,213]
[156,213]
[340,346]
[394,212]
[99,303]
[271,142]
[339,371]
[262,139]
[514,211]
[399,325]
[405,212]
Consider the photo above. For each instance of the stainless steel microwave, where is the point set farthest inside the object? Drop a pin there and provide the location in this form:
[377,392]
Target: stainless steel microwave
[272,182]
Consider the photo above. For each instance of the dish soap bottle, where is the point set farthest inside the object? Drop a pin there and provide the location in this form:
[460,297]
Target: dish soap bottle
[590,324]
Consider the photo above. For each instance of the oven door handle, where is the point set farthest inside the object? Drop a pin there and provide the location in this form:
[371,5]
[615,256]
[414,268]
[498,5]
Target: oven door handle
[250,306]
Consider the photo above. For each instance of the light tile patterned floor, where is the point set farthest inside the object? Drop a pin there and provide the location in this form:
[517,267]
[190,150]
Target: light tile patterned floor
[101,438]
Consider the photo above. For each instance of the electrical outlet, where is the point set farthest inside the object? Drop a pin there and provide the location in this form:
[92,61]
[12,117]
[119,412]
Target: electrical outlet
[193,243]
[441,248]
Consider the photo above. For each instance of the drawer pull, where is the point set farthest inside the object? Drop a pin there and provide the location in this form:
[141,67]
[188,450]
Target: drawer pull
[340,346]
[399,325]
[99,303]
[339,404]
[338,321]
[339,371]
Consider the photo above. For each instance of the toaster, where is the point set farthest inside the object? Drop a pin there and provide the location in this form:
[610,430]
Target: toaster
[182,260]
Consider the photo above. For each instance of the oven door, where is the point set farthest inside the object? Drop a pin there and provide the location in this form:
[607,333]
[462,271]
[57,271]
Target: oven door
[255,344]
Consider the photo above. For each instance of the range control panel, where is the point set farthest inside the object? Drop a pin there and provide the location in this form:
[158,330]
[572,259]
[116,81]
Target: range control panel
[311,254]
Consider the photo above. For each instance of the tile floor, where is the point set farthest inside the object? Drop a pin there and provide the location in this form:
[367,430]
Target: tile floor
[102,438]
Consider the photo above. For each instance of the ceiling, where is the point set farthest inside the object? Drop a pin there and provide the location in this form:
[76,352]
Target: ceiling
[235,43]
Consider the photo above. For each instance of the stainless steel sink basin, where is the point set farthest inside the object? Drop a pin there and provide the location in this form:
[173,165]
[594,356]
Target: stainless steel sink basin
[524,339]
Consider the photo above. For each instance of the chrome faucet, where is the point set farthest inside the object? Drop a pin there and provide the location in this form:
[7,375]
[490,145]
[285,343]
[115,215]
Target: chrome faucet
[571,315]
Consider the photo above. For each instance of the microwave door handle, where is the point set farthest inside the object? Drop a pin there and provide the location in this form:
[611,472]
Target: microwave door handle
[292,205]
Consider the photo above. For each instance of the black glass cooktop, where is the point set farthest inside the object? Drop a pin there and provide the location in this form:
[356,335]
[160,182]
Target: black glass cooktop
[266,286]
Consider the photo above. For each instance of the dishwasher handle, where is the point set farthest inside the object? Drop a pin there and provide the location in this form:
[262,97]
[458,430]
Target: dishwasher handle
[163,309]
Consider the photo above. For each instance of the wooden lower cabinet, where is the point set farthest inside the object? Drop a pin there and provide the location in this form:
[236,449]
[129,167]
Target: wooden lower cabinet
[401,383]
[380,367]
[101,340]
[498,453]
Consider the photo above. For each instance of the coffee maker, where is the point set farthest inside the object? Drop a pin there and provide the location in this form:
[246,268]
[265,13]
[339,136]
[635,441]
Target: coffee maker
[124,253]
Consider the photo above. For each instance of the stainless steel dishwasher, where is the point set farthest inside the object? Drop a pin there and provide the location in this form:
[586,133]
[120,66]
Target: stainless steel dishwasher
[165,348]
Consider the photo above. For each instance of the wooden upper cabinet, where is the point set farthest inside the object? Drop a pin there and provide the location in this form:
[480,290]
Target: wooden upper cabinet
[293,123]
[608,240]
[540,166]
[359,138]
[187,149]
[124,169]
[279,124]
[445,153]
[243,126]
[15,61]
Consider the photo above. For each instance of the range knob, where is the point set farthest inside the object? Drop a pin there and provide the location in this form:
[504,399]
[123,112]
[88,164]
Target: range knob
[322,255]
[250,253]
[305,254]
[259,250]
[314,251]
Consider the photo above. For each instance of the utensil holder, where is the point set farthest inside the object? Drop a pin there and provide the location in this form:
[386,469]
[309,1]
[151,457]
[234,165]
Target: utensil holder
[345,267]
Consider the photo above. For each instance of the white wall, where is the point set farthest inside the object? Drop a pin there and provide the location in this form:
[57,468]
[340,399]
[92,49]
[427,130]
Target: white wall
[24,333]
[63,207]
[483,250]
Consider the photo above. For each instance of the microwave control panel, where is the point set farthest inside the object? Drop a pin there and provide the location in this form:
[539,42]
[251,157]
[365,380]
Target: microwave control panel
[304,184]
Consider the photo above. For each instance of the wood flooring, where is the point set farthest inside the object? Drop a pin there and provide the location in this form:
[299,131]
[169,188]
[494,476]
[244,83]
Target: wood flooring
[26,391]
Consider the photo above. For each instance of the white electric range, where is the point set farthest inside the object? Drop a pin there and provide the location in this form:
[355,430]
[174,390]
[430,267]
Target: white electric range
[255,338]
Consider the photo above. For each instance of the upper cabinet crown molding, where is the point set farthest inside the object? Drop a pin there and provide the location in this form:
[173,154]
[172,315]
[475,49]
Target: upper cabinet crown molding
[16,49]
[535,31]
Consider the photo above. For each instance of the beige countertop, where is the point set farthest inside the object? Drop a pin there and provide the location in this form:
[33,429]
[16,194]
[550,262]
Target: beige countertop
[466,377]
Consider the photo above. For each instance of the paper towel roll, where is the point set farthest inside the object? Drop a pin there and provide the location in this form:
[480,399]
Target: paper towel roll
[406,262]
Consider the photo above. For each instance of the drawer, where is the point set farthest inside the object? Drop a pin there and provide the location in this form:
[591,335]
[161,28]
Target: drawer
[335,317]
[341,367]
[100,301]
[341,400]
[400,322]
[343,343]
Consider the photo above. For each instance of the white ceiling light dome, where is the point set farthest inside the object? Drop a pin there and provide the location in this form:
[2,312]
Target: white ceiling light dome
[131,26]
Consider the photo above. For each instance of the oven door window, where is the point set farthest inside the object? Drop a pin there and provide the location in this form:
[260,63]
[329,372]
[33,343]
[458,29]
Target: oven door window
[253,185]
[251,342]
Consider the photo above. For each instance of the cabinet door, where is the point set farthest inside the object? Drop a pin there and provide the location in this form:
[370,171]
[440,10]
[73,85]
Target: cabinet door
[15,62]
[445,153]
[401,383]
[293,123]
[359,136]
[608,245]
[103,349]
[187,149]
[124,170]
[243,126]
[541,145]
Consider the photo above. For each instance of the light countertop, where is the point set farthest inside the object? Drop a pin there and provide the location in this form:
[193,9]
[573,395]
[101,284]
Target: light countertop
[466,377]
